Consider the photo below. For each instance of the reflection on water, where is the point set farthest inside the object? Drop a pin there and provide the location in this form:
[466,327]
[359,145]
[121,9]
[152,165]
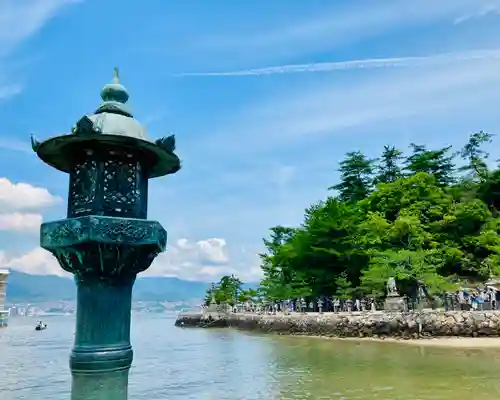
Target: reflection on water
[172,363]
[326,369]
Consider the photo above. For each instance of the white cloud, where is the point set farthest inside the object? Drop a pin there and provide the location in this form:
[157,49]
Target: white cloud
[331,105]
[183,244]
[394,62]
[9,143]
[212,251]
[20,222]
[9,91]
[205,260]
[15,197]
[23,196]
[489,8]
[282,175]
[37,262]
[188,260]
[338,26]
[207,251]
[19,20]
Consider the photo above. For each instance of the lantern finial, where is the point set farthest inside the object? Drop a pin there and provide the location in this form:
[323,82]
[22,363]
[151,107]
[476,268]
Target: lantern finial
[114,96]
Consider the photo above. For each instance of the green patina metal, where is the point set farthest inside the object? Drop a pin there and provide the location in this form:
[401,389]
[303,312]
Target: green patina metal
[105,240]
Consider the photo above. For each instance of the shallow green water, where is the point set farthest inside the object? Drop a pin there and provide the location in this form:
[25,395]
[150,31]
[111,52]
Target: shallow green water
[172,363]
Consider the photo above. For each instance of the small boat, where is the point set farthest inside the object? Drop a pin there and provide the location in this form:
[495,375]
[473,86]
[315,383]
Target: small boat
[40,326]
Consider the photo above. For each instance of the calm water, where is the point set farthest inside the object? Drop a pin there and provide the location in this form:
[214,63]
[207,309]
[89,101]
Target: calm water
[172,364]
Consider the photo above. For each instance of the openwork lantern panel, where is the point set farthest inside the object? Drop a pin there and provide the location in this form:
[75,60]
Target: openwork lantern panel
[109,182]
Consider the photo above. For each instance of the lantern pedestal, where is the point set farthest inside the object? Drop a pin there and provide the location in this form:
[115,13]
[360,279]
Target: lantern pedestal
[103,386]
[102,353]
[102,337]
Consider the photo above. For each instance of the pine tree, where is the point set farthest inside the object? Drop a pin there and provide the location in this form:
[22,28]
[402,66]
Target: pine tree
[434,162]
[388,167]
[356,176]
[476,157]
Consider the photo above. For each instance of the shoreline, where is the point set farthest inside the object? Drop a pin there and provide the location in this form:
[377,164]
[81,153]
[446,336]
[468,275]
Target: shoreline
[442,342]
[452,329]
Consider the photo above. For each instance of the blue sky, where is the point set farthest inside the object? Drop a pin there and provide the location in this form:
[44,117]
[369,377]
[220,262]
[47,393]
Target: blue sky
[264,98]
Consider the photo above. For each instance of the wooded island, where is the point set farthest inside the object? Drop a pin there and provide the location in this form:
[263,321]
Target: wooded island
[429,217]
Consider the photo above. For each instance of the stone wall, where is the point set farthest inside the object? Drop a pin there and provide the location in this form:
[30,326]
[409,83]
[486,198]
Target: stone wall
[366,324]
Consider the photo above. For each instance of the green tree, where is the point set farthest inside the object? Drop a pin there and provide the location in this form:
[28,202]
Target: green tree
[356,175]
[475,157]
[343,288]
[248,295]
[435,162]
[226,291]
[426,225]
[388,168]
[488,190]
[275,263]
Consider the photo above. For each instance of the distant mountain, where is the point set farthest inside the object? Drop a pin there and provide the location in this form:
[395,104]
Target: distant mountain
[169,289]
[23,287]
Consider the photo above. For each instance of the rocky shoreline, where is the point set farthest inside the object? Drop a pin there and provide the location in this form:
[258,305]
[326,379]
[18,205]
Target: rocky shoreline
[408,325]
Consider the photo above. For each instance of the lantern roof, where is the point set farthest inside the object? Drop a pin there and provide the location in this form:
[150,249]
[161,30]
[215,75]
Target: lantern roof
[112,124]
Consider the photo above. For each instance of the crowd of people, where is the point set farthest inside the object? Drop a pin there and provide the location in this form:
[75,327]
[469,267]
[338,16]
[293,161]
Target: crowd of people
[486,298]
[465,299]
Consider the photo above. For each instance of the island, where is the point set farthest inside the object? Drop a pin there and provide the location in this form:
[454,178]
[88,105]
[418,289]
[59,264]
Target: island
[405,246]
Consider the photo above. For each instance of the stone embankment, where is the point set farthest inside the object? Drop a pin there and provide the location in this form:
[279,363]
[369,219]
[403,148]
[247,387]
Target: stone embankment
[425,324]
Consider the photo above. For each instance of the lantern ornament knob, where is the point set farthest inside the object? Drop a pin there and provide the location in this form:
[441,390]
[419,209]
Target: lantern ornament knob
[114,96]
